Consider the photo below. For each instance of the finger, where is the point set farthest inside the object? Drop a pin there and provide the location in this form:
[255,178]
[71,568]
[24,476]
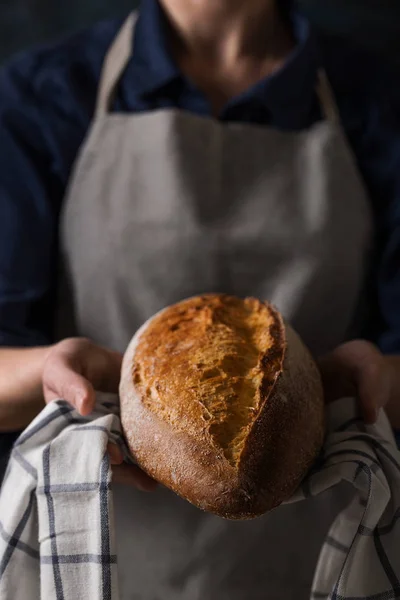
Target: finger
[374,390]
[63,382]
[115,453]
[132,475]
[368,371]
[366,377]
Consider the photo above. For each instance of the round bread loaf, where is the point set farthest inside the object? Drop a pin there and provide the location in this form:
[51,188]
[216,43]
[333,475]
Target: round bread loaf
[222,403]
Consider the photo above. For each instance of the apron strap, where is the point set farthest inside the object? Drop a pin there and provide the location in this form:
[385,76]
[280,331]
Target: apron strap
[327,98]
[120,53]
[114,65]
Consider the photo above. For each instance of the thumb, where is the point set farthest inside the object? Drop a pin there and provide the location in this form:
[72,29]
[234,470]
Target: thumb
[357,368]
[62,382]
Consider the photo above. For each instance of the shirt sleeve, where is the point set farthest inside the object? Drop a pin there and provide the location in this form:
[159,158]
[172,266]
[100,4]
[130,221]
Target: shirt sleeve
[387,208]
[368,94]
[30,195]
[372,116]
[389,289]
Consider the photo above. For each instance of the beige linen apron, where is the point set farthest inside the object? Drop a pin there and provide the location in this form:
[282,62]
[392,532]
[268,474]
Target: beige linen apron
[164,205]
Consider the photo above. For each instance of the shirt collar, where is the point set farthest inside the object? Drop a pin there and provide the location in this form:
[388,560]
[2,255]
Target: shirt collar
[153,66]
[287,94]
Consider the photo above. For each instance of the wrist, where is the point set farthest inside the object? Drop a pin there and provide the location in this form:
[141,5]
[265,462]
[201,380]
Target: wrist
[21,392]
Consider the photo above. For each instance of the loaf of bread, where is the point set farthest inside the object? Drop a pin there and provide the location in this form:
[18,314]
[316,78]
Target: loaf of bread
[222,403]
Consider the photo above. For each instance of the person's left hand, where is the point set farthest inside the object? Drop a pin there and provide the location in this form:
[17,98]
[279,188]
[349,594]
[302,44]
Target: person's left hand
[358,369]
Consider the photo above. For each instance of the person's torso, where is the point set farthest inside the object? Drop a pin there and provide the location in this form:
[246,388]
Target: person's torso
[164,205]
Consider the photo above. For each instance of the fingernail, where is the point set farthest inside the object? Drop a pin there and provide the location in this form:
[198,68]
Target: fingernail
[115,454]
[142,489]
[384,392]
[81,406]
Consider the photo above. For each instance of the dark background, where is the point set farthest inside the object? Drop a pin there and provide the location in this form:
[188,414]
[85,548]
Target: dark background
[375,23]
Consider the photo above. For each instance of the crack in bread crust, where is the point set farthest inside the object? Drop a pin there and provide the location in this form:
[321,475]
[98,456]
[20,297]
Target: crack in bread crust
[226,350]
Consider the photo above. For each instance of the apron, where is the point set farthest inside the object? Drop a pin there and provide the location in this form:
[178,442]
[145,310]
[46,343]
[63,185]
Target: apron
[164,205]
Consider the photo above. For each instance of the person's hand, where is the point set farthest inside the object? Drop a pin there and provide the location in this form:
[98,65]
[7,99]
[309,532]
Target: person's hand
[73,370]
[360,370]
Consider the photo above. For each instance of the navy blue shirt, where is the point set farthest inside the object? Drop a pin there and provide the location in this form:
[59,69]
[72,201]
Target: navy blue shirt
[47,99]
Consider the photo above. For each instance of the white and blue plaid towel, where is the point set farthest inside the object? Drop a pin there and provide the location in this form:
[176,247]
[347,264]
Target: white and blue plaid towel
[56,514]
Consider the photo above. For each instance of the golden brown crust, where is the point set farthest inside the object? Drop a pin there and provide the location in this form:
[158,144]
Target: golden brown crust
[219,407]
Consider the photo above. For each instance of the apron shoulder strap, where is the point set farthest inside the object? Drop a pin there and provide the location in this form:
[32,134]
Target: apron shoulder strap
[327,98]
[114,65]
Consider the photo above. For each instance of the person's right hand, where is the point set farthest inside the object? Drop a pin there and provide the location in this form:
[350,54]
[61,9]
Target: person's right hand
[73,370]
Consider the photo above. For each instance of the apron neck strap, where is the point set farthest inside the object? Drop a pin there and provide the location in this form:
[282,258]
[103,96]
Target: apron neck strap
[327,98]
[114,65]
[120,53]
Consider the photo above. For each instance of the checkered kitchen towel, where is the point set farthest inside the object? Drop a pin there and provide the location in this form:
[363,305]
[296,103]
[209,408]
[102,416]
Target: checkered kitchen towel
[56,514]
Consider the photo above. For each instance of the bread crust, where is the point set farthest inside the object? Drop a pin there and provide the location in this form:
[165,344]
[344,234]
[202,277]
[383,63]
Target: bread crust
[169,436]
